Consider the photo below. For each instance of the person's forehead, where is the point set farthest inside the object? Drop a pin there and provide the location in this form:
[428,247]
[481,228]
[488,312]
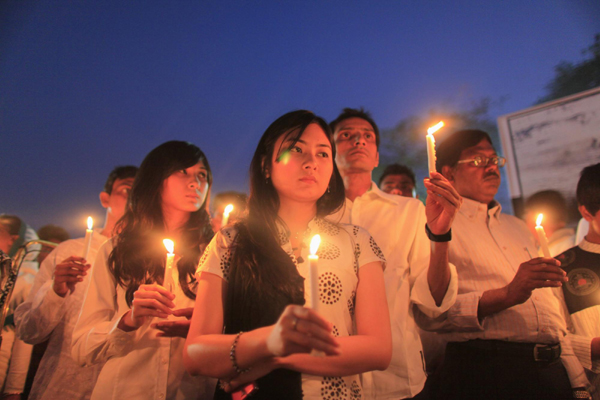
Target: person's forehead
[397,177]
[484,147]
[122,182]
[354,123]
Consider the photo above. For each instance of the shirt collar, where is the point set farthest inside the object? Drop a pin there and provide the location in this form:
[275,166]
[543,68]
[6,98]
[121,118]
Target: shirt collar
[375,192]
[475,209]
[589,246]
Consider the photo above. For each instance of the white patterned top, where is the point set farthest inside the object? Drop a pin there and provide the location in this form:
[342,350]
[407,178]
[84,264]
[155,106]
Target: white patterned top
[343,250]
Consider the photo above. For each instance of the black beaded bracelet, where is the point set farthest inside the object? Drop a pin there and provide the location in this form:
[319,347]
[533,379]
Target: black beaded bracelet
[236,367]
[446,237]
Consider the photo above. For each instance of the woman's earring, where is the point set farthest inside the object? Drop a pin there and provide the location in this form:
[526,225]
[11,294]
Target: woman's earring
[328,189]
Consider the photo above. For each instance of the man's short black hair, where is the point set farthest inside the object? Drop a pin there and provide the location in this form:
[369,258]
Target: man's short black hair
[551,202]
[121,172]
[53,233]
[448,152]
[588,188]
[398,169]
[356,113]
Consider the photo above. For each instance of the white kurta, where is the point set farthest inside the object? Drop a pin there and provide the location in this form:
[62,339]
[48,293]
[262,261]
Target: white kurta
[139,365]
[398,225]
[47,316]
[343,250]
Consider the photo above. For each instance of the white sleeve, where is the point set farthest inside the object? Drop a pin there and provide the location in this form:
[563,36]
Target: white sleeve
[96,337]
[418,262]
[36,317]
[19,366]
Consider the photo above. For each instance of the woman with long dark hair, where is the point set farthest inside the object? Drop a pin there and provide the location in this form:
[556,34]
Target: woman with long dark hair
[126,293]
[260,332]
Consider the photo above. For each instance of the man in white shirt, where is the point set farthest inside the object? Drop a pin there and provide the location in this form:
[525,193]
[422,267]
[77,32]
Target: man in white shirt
[507,338]
[417,270]
[52,307]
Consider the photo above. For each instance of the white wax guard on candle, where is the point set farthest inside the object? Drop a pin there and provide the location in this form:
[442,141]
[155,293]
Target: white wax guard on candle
[168,280]
[541,234]
[431,146]
[88,238]
[226,213]
[313,277]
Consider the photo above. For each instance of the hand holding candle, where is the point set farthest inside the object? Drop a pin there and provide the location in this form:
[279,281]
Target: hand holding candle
[431,146]
[168,280]
[539,229]
[88,238]
[226,213]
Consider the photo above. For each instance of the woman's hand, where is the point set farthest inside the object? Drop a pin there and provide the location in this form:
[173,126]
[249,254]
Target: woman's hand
[299,330]
[69,273]
[178,328]
[148,301]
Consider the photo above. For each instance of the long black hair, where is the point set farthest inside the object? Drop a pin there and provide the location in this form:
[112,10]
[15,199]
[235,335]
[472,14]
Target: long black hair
[261,270]
[138,256]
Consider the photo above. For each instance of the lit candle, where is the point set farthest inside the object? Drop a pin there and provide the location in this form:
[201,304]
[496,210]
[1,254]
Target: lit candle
[431,146]
[313,272]
[313,277]
[226,213]
[539,229]
[168,280]
[88,237]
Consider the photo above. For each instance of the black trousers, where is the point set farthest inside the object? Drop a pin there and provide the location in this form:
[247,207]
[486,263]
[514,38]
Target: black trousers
[492,374]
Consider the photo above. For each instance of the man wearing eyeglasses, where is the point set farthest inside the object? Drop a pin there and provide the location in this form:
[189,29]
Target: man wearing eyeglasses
[506,336]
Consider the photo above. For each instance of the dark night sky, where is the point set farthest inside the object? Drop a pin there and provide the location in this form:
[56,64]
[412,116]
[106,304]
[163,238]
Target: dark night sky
[85,86]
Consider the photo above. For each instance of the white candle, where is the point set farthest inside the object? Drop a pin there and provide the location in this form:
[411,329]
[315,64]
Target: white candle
[226,213]
[88,238]
[313,278]
[539,229]
[313,272]
[168,280]
[431,146]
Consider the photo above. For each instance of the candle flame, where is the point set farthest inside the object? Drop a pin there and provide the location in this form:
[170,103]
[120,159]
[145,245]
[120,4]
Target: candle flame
[228,210]
[539,219]
[314,244]
[431,130]
[90,223]
[169,245]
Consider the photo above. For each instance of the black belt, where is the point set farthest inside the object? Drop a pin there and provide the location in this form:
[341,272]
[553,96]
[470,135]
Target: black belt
[533,351]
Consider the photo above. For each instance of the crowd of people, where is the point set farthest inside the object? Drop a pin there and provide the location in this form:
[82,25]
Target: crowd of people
[446,299]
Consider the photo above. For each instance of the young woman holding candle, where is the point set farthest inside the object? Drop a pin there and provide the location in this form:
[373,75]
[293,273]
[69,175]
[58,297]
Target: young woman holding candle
[260,332]
[167,200]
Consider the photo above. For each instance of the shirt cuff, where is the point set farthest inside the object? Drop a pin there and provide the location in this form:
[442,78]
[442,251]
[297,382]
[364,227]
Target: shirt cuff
[582,347]
[421,294]
[120,342]
[463,314]
[49,303]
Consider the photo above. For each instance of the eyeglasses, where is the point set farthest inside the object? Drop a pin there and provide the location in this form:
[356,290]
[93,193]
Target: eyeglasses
[485,161]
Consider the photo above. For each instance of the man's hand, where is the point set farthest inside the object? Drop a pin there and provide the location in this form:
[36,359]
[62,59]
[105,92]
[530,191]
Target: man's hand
[69,273]
[534,274]
[442,204]
[179,328]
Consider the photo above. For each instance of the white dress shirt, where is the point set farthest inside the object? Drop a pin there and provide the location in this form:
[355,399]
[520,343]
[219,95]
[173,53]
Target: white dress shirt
[138,365]
[398,225]
[45,315]
[487,249]
[343,250]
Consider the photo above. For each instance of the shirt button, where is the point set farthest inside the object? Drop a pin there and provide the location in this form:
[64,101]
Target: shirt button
[164,362]
[161,396]
[544,330]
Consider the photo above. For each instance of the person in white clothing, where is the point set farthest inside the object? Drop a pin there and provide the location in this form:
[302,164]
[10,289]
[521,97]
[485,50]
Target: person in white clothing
[260,333]
[132,284]
[417,270]
[506,336]
[53,305]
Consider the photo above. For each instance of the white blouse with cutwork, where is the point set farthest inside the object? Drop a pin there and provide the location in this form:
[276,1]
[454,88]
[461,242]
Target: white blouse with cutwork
[343,250]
